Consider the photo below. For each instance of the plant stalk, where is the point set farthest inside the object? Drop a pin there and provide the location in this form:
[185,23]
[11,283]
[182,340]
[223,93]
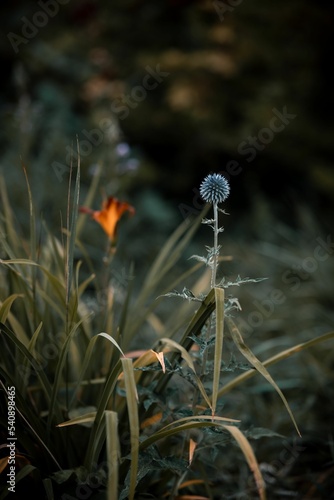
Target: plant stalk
[215,245]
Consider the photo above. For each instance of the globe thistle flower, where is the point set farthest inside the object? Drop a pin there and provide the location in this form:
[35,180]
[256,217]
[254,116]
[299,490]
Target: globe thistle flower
[214,189]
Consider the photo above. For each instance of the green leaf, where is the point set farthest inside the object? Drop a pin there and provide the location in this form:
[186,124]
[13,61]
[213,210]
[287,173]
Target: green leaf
[96,439]
[45,384]
[250,457]
[219,300]
[59,372]
[275,359]
[132,404]
[244,349]
[31,348]
[47,483]
[113,453]
[57,285]
[31,421]
[186,423]
[86,363]
[34,338]
[6,305]
[194,328]
[72,216]
[187,358]
[260,432]
[113,341]
[81,419]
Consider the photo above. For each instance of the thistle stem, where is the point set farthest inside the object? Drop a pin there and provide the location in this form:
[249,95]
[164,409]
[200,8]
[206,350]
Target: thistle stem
[213,284]
[215,245]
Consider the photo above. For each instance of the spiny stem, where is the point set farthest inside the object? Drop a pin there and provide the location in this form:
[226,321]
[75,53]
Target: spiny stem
[215,245]
[213,284]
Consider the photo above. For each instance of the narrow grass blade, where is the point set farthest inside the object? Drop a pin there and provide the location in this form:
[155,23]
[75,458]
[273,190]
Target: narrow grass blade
[113,341]
[82,419]
[32,219]
[219,299]
[200,317]
[132,403]
[97,443]
[6,305]
[57,285]
[47,483]
[204,418]
[34,338]
[103,401]
[31,420]
[45,384]
[248,452]
[180,426]
[59,372]
[12,235]
[244,349]
[89,198]
[25,364]
[194,328]
[275,359]
[18,329]
[86,363]
[187,358]
[113,454]
[125,333]
[72,215]
[82,287]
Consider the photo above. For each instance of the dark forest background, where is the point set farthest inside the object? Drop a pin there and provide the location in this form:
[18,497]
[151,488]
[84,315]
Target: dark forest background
[228,64]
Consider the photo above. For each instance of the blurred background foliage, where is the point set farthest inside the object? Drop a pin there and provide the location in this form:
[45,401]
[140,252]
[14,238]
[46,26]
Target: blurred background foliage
[227,67]
[224,70]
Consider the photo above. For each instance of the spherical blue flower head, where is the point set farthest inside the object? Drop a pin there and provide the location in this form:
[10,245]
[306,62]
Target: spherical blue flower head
[214,189]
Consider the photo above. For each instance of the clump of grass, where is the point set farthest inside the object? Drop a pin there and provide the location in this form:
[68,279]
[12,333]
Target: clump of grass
[97,420]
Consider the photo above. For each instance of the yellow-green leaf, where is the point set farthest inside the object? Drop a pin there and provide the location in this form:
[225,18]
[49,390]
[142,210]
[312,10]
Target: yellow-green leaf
[219,300]
[244,349]
[248,452]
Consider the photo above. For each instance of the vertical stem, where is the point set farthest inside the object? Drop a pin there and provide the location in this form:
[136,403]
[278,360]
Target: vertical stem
[215,245]
[213,284]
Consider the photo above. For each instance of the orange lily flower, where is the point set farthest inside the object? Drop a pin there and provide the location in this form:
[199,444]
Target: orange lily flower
[108,217]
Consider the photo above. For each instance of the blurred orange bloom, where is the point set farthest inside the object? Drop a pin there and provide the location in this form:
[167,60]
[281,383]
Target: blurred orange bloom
[108,217]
